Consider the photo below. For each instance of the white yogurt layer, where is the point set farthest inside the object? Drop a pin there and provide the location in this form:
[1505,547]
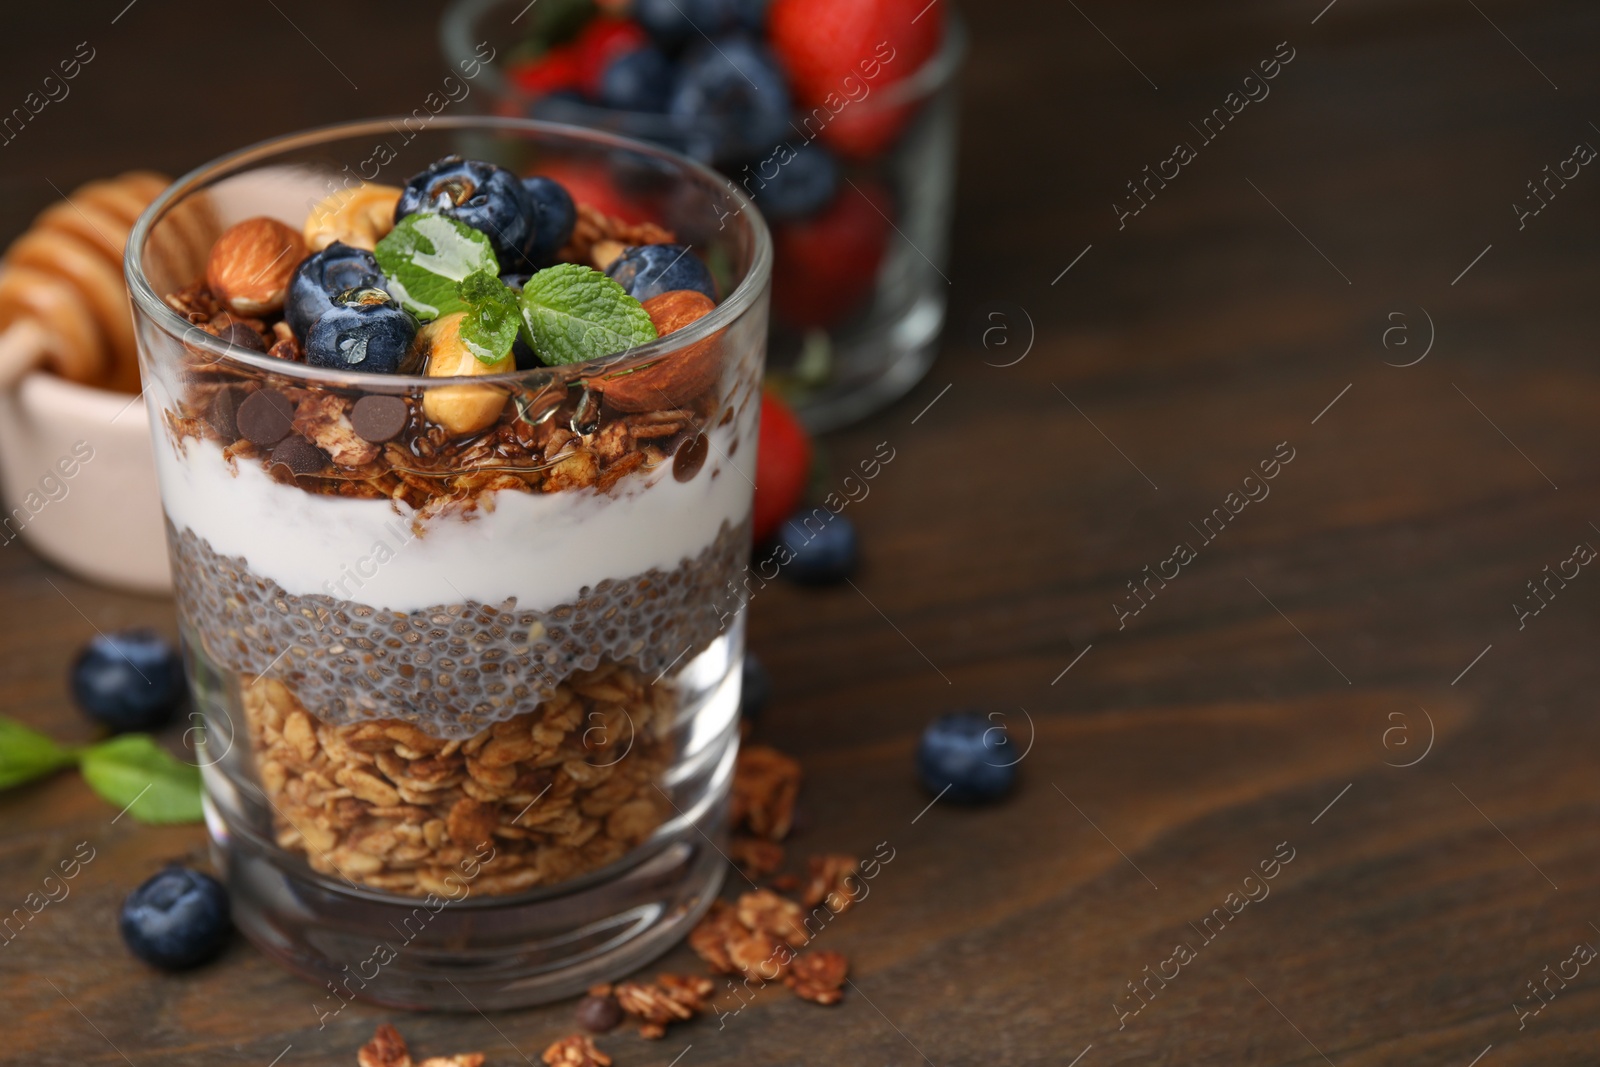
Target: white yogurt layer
[540,548]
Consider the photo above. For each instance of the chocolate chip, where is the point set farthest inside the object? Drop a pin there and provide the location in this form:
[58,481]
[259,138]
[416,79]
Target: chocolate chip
[242,336]
[599,1014]
[379,418]
[223,413]
[691,457]
[299,455]
[266,417]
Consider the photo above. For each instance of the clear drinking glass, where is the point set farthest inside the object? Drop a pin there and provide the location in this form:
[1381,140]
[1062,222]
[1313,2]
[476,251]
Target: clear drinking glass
[860,287]
[470,703]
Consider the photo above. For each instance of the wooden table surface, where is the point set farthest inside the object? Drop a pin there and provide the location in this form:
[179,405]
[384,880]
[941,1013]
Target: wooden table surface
[1340,276]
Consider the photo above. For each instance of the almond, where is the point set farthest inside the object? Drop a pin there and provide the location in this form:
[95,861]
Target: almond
[251,264]
[675,379]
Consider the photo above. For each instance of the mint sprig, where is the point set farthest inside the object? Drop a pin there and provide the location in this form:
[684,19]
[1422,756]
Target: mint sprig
[27,754]
[133,772]
[493,316]
[130,771]
[426,258]
[574,313]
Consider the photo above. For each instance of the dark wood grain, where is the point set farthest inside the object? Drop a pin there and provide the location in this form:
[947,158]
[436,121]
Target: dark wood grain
[1179,751]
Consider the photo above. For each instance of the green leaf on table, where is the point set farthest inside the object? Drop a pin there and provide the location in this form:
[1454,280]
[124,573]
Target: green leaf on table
[574,313]
[426,258]
[27,754]
[133,772]
[492,319]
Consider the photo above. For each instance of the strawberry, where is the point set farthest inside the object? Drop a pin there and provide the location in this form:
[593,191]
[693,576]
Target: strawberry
[826,266]
[822,43]
[601,41]
[591,183]
[783,466]
[558,68]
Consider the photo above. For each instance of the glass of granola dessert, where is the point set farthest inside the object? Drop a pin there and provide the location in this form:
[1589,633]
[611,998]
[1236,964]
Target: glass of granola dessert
[838,117]
[457,525]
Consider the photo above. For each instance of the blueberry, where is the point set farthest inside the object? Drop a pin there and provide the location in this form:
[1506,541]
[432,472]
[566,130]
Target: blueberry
[128,681]
[365,330]
[673,22]
[750,15]
[789,183]
[731,98]
[553,215]
[969,754]
[650,270]
[176,920]
[323,276]
[639,80]
[561,105]
[755,687]
[819,548]
[488,198]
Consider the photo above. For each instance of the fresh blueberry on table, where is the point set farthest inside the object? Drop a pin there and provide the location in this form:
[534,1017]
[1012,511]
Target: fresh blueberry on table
[789,183]
[732,87]
[639,80]
[650,270]
[323,276]
[755,688]
[818,548]
[968,754]
[130,681]
[553,217]
[488,198]
[364,330]
[176,920]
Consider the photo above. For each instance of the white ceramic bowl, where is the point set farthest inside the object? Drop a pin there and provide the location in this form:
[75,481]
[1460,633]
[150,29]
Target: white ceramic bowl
[79,482]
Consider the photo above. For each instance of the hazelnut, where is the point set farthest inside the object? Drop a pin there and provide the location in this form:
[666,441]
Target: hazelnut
[460,409]
[605,252]
[359,217]
[251,264]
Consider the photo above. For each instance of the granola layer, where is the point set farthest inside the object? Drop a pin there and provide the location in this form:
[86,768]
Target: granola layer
[539,798]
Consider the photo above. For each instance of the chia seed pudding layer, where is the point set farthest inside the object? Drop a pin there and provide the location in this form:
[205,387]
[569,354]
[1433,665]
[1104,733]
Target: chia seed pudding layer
[449,669]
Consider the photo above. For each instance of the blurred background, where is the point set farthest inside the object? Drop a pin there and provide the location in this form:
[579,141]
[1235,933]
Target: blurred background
[1114,361]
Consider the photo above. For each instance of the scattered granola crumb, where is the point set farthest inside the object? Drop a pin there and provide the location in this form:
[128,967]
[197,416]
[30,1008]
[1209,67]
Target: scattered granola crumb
[670,998]
[818,976]
[766,784]
[766,912]
[753,937]
[829,882]
[388,1049]
[575,1050]
[755,857]
[709,938]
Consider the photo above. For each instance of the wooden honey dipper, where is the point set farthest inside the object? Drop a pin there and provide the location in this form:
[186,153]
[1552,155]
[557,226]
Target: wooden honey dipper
[63,301]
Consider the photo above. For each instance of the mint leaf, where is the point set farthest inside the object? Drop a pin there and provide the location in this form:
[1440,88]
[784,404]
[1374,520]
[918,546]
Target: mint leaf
[574,313]
[426,257]
[493,317]
[133,772]
[27,754]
